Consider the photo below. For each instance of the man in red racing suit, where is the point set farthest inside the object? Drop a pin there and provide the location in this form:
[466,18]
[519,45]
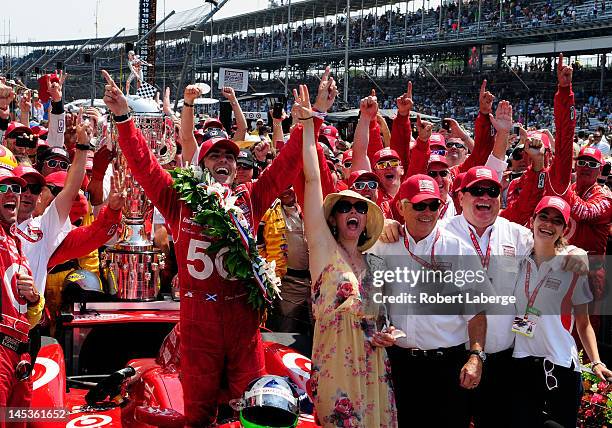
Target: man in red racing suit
[219,329]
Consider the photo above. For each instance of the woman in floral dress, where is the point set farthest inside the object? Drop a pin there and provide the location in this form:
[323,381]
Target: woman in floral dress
[350,381]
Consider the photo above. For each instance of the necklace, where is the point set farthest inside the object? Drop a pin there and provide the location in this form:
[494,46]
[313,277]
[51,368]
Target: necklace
[356,270]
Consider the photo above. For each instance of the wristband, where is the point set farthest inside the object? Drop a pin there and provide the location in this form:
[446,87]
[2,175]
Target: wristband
[187,105]
[84,147]
[121,118]
[598,363]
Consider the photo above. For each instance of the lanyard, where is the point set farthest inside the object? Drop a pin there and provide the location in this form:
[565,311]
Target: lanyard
[531,298]
[484,259]
[433,265]
[38,234]
[443,210]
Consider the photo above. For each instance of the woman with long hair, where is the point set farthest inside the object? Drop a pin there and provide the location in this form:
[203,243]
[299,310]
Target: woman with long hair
[350,381]
[550,301]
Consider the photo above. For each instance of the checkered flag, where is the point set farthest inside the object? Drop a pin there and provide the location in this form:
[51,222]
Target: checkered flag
[146,90]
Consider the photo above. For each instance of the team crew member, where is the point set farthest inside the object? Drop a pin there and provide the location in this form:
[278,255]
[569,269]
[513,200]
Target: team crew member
[221,334]
[367,183]
[437,168]
[433,354]
[22,304]
[549,301]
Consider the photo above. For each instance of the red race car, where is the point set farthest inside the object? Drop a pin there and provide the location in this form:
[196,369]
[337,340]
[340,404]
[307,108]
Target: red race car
[147,392]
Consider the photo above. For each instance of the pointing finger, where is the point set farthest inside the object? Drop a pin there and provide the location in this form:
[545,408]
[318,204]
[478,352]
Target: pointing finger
[108,78]
[560,63]
[483,87]
[409,90]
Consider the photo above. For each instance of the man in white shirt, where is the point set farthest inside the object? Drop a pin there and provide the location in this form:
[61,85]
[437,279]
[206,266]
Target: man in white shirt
[433,354]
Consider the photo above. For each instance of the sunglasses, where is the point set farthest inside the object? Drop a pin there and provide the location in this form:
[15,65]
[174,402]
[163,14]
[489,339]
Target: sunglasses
[422,206]
[590,164]
[392,163]
[452,144]
[243,167]
[441,152]
[344,206]
[348,164]
[15,188]
[52,163]
[55,190]
[551,380]
[433,174]
[492,191]
[34,188]
[360,185]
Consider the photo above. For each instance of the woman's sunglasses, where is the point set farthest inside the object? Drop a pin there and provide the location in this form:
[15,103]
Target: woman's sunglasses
[477,192]
[422,206]
[360,185]
[344,206]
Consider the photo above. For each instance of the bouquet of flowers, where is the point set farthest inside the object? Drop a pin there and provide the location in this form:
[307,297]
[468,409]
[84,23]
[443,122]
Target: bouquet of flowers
[214,208]
[596,407]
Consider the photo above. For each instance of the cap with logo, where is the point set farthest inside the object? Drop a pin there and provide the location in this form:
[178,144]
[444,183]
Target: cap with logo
[419,188]
[556,203]
[347,156]
[245,157]
[478,174]
[17,128]
[437,140]
[384,154]
[362,175]
[24,171]
[9,176]
[218,143]
[591,153]
[438,160]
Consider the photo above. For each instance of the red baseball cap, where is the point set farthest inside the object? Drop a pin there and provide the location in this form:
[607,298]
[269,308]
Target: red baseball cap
[437,139]
[477,174]
[39,130]
[556,203]
[438,159]
[385,153]
[348,155]
[331,132]
[540,136]
[27,171]
[328,141]
[212,122]
[6,175]
[361,174]
[591,153]
[218,143]
[419,187]
[15,127]
[57,178]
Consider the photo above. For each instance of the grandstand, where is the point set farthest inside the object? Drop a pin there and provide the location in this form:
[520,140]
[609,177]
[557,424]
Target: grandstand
[389,41]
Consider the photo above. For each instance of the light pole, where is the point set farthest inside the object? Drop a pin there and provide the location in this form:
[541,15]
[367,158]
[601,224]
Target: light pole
[288,48]
[346,52]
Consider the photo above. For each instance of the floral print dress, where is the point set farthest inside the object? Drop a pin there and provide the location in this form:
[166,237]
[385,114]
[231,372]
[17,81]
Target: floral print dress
[350,380]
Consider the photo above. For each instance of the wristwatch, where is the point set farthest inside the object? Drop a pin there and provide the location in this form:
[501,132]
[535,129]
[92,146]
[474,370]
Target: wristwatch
[479,354]
[85,147]
[122,118]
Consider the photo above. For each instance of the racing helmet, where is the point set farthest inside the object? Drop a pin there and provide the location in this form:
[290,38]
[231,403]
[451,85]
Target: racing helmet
[7,159]
[269,401]
[81,286]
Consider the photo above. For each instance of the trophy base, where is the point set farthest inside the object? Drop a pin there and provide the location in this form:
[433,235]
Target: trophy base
[133,275]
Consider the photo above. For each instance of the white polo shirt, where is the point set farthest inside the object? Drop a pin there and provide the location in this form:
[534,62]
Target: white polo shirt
[509,242]
[552,337]
[428,331]
[44,234]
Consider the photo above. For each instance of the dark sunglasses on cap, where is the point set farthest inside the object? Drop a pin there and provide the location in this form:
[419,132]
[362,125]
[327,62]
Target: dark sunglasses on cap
[444,173]
[422,206]
[360,185]
[477,192]
[590,164]
[54,163]
[15,188]
[55,190]
[343,206]
[454,144]
[34,188]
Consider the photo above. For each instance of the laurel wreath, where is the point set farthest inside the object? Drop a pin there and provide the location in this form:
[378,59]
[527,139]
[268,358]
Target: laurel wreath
[213,207]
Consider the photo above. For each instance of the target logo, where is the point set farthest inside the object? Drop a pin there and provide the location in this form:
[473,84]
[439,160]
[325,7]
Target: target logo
[89,421]
[45,370]
[298,364]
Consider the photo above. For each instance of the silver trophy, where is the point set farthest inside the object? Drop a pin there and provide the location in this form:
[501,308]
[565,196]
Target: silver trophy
[133,263]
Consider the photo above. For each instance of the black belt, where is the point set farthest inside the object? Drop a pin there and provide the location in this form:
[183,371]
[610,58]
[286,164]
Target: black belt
[13,344]
[63,267]
[298,273]
[434,353]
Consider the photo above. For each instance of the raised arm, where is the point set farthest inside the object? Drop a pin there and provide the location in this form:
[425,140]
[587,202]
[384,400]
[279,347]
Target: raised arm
[368,109]
[57,118]
[384,130]
[315,223]
[400,131]
[241,123]
[74,179]
[419,154]
[565,123]
[188,141]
